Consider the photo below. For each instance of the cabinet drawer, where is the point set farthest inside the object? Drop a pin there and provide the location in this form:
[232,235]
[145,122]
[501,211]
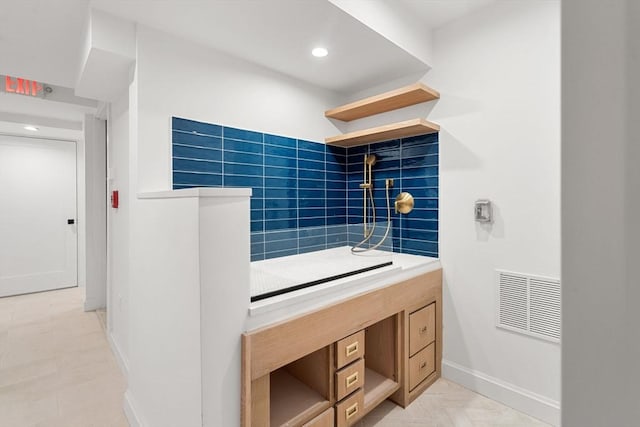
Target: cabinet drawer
[422,365]
[349,379]
[350,410]
[325,419]
[349,349]
[422,328]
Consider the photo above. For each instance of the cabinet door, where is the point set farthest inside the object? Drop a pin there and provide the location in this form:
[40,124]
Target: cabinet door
[421,365]
[422,328]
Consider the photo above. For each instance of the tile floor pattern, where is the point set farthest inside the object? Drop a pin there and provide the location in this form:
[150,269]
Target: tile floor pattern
[56,370]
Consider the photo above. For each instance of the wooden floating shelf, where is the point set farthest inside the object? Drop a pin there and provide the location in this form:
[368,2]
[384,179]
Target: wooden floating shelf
[384,133]
[392,100]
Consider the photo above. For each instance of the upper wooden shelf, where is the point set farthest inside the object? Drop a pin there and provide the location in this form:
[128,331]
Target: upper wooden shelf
[398,98]
[384,133]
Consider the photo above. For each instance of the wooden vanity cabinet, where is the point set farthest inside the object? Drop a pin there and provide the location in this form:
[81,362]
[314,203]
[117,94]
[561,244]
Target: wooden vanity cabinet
[383,344]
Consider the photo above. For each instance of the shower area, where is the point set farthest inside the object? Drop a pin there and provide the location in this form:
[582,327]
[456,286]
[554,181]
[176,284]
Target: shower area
[318,212]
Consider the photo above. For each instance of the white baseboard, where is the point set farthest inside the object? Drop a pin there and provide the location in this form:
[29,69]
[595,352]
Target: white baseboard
[530,403]
[130,411]
[122,361]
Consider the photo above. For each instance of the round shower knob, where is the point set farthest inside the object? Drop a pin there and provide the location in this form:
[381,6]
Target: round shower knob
[404,203]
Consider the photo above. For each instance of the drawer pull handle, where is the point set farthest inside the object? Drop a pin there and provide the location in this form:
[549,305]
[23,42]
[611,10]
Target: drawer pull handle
[352,410]
[423,330]
[423,365]
[352,349]
[351,379]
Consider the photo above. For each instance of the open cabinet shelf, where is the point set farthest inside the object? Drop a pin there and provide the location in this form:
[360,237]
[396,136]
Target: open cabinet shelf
[383,133]
[292,401]
[377,388]
[392,100]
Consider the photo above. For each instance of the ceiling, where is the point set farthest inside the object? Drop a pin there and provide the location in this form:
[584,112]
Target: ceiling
[280,34]
[436,13]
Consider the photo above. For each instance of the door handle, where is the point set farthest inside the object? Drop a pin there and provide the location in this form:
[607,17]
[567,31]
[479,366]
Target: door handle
[71,221]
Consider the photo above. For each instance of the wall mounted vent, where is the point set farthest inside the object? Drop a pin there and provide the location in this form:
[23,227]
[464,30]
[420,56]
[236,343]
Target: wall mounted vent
[529,305]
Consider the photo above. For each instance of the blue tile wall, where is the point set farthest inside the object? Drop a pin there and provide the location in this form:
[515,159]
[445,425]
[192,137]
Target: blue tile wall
[306,195]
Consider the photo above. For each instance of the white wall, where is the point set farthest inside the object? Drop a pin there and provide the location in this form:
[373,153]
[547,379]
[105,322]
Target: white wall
[96,212]
[600,211]
[498,71]
[176,78]
[183,79]
[118,229]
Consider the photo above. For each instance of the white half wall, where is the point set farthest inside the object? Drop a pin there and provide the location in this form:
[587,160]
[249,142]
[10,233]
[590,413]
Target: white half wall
[498,72]
[600,212]
[177,78]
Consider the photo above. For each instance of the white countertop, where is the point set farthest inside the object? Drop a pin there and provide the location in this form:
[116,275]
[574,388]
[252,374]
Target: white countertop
[283,272]
[197,192]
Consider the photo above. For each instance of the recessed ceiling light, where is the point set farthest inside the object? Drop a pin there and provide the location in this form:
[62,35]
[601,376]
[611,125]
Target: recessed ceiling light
[319,52]
[31,128]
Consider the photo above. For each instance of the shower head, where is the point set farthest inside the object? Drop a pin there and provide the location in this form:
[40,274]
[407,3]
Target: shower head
[370,159]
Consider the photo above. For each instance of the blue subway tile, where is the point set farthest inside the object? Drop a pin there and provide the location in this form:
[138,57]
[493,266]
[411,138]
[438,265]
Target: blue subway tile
[257,226]
[420,224]
[419,245]
[257,257]
[311,194]
[311,155]
[429,236]
[280,183]
[384,146]
[256,215]
[197,179]
[420,172]
[336,203]
[337,176]
[196,140]
[336,220]
[386,164]
[336,194]
[279,140]
[423,214]
[431,160]
[240,169]
[243,146]
[336,212]
[184,165]
[183,151]
[257,248]
[311,232]
[280,224]
[278,151]
[425,193]
[280,245]
[419,150]
[246,158]
[311,165]
[243,181]
[277,172]
[309,174]
[312,241]
[281,162]
[242,134]
[281,203]
[257,237]
[187,125]
[272,236]
[311,212]
[360,149]
[419,182]
[310,203]
[257,203]
[280,193]
[310,183]
[308,145]
[271,214]
[312,222]
[420,139]
[335,150]
[331,166]
[279,254]
[256,192]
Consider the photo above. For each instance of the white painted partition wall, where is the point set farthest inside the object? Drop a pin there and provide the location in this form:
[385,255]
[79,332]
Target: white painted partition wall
[190,265]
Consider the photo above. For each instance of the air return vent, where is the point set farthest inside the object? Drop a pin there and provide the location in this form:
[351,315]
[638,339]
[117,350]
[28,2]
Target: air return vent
[529,304]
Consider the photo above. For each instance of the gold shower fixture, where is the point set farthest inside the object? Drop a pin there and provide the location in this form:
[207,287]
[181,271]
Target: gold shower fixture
[404,203]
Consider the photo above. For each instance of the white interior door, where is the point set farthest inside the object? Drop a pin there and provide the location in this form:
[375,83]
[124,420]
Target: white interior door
[38,243]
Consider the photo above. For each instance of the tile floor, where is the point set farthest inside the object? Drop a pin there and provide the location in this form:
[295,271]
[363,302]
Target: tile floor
[56,370]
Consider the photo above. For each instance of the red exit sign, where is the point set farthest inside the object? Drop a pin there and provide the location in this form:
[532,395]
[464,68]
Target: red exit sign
[22,86]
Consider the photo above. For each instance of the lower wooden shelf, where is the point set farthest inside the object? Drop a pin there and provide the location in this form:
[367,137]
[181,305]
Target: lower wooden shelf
[384,133]
[293,402]
[377,388]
